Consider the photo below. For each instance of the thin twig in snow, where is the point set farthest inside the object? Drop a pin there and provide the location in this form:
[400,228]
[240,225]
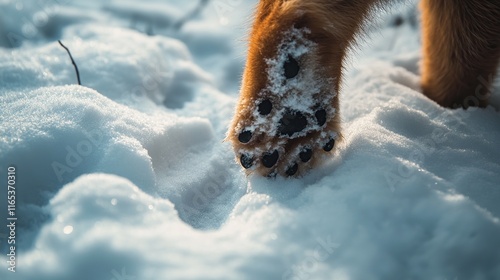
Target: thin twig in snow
[72,61]
[197,10]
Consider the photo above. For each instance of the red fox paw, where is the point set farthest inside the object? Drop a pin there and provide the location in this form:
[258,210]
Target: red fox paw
[291,124]
[286,141]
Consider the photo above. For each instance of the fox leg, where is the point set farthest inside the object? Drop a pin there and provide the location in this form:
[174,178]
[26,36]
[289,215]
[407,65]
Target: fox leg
[287,117]
[461,50]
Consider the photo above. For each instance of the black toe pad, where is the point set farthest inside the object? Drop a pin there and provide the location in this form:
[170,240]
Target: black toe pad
[292,170]
[246,161]
[245,137]
[320,117]
[270,159]
[265,107]
[329,146]
[306,155]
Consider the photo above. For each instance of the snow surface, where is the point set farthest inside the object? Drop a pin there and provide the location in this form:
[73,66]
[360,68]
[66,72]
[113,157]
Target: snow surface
[127,177]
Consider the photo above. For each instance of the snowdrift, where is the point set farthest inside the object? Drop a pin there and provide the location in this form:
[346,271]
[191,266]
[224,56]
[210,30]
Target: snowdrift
[128,177]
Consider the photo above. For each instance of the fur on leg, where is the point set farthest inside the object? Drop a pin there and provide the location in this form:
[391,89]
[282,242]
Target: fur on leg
[461,50]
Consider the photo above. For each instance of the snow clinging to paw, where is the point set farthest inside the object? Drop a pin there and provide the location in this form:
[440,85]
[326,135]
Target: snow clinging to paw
[289,123]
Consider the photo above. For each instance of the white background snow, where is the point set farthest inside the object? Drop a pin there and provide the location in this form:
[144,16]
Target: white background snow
[127,176]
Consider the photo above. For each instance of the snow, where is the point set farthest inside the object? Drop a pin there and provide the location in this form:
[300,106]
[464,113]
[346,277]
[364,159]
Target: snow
[128,177]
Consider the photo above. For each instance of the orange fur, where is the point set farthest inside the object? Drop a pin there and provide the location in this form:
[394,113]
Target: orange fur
[460,43]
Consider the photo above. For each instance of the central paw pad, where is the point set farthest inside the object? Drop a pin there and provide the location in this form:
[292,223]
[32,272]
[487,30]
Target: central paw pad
[291,123]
